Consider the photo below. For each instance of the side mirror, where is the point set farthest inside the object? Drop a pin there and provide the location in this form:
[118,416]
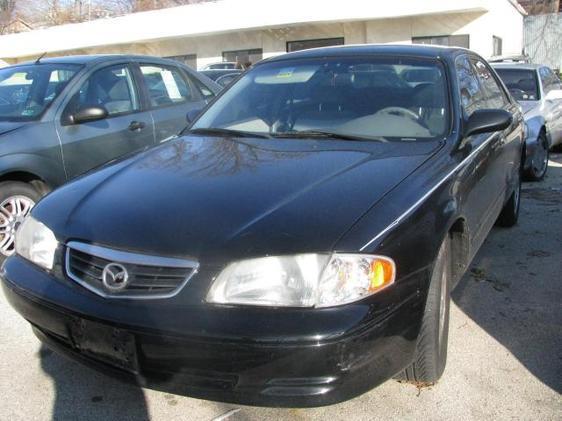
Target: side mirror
[193,114]
[88,114]
[554,95]
[487,121]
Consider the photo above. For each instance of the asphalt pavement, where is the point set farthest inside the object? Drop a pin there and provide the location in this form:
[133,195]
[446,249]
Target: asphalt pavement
[505,348]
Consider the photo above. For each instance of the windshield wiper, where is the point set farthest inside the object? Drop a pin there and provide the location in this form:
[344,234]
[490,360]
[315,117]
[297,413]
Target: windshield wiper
[302,134]
[219,131]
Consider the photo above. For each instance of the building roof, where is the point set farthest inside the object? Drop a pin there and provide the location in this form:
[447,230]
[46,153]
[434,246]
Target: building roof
[217,18]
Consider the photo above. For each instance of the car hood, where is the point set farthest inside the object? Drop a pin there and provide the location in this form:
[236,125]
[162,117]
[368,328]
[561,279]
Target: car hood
[10,126]
[216,198]
[529,107]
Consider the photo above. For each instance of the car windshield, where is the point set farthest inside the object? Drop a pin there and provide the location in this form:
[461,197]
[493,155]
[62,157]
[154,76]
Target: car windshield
[522,83]
[27,91]
[370,98]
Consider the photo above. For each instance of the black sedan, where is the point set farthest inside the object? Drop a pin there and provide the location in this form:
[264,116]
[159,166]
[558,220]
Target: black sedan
[297,246]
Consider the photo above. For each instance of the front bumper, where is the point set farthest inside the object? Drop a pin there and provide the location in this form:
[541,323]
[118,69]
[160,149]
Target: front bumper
[277,370]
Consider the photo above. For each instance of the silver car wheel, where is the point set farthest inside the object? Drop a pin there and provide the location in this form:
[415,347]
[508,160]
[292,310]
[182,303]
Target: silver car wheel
[540,160]
[13,211]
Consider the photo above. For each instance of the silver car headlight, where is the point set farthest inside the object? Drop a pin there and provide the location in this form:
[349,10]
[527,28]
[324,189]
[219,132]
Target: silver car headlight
[305,280]
[36,243]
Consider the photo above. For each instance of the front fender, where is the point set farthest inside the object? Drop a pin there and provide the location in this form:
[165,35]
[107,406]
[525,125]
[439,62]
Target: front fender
[47,169]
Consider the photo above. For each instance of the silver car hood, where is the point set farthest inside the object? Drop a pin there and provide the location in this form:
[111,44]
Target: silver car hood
[530,107]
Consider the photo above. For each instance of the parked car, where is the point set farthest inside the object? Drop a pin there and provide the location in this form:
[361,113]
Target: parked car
[297,246]
[539,91]
[230,65]
[60,117]
[223,77]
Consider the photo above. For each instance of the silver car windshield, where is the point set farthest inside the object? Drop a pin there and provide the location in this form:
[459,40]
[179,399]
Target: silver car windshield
[521,83]
[367,97]
[27,91]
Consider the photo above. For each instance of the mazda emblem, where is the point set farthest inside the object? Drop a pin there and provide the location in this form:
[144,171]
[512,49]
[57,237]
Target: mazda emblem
[115,276]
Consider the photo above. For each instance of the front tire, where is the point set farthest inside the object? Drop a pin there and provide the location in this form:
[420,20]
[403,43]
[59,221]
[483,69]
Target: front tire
[16,200]
[431,349]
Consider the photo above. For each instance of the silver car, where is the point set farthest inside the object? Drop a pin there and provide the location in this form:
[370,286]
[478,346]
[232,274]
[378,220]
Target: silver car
[539,91]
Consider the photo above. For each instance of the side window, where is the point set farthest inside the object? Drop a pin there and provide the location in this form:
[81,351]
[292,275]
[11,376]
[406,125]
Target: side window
[494,96]
[471,94]
[544,79]
[166,85]
[205,92]
[111,88]
[550,80]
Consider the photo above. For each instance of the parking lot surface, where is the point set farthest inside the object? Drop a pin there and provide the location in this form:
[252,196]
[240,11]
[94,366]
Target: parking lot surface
[505,348]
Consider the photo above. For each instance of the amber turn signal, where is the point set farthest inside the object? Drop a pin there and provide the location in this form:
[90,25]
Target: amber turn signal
[382,274]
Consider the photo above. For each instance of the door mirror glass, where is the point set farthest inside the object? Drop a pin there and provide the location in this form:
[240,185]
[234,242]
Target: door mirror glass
[89,114]
[554,95]
[487,121]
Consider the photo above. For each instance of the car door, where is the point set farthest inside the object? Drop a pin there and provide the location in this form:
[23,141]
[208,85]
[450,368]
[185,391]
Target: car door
[171,94]
[127,127]
[484,185]
[553,107]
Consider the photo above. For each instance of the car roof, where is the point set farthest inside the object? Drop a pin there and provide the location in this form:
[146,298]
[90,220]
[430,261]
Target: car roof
[94,59]
[220,71]
[524,66]
[420,50]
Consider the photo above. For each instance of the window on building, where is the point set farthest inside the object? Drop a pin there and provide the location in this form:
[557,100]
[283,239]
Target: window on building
[166,86]
[498,47]
[313,43]
[446,40]
[188,59]
[244,57]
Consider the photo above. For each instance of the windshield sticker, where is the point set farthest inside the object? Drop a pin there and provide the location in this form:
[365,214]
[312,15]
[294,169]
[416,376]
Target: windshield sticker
[286,72]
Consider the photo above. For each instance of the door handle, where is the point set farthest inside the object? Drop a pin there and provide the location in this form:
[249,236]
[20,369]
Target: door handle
[136,126]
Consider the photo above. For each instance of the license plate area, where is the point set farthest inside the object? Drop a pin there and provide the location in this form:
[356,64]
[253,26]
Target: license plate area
[105,343]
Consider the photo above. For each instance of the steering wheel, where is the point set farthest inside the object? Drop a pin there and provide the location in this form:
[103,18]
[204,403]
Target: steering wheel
[400,111]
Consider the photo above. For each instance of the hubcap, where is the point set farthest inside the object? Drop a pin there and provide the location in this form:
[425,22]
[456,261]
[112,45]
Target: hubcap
[540,161]
[13,211]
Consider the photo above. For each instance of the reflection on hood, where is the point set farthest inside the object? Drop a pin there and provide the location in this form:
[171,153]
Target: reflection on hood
[528,106]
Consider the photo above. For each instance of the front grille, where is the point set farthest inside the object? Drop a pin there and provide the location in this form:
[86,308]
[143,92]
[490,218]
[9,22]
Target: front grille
[147,276]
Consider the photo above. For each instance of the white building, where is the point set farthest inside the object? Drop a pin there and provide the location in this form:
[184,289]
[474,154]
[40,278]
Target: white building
[248,30]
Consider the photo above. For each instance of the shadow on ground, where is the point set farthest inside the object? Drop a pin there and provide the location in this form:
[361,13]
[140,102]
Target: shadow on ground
[513,289]
[82,394]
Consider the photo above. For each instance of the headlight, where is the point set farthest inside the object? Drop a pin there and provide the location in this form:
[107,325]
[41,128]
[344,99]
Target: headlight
[36,243]
[306,280]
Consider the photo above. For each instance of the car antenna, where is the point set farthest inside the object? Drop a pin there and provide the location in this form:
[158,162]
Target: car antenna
[40,57]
